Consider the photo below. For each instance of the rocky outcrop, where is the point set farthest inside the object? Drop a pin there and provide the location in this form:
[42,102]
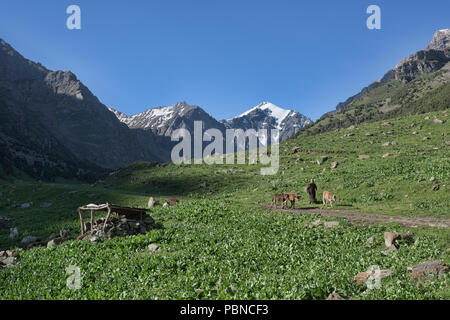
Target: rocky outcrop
[428,270]
[441,40]
[422,62]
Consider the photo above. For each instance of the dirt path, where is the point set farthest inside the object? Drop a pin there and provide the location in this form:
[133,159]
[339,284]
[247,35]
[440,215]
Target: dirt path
[361,218]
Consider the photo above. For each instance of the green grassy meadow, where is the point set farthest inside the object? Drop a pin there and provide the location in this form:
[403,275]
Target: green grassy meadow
[217,244]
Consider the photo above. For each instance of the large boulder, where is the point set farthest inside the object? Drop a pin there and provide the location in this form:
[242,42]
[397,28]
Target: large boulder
[428,270]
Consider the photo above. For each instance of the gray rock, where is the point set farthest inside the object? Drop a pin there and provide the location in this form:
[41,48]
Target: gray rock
[153,248]
[63,233]
[26,205]
[55,242]
[30,239]
[441,40]
[337,296]
[7,262]
[14,233]
[386,251]
[331,224]
[428,270]
[46,204]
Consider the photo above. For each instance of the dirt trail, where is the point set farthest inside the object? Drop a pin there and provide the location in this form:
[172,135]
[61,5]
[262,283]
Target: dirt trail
[361,218]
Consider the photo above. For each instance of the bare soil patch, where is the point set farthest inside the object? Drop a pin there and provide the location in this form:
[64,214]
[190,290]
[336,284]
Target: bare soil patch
[364,219]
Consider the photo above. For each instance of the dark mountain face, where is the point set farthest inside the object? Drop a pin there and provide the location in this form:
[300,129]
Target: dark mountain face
[51,114]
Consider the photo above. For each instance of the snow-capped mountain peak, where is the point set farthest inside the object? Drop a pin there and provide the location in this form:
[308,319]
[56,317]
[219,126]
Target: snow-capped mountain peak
[164,120]
[270,116]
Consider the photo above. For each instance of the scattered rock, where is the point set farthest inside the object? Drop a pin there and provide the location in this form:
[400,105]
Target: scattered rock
[7,259]
[295,150]
[45,204]
[370,240]
[152,202]
[331,224]
[361,277]
[352,127]
[387,124]
[118,227]
[29,240]
[153,248]
[337,296]
[369,134]
[199,290]
[389,238]
[363,156]
[54,242]
[428,270]
[63,233]
[436,187]
[415,132]
[26,205]
[316,223]
[386,251]
[427,118]
[165,205]
[426,138]
[13,233]
[389,143]
[334,165]
[437,121]
[95,238]
[386,155]
[432,179]
[203,185]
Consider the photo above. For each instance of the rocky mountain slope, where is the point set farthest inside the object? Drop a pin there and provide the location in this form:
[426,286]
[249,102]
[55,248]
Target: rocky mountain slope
[51,120]
[162,121]
[417,84]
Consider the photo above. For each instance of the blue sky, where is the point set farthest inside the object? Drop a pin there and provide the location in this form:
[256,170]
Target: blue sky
[225,56]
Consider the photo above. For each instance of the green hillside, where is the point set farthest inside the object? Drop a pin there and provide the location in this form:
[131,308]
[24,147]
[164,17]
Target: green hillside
[224,242]
[428,92]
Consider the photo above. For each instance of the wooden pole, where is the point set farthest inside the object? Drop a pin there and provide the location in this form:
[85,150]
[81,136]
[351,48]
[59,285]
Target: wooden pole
[81,221]
[107,217]
[92,220]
